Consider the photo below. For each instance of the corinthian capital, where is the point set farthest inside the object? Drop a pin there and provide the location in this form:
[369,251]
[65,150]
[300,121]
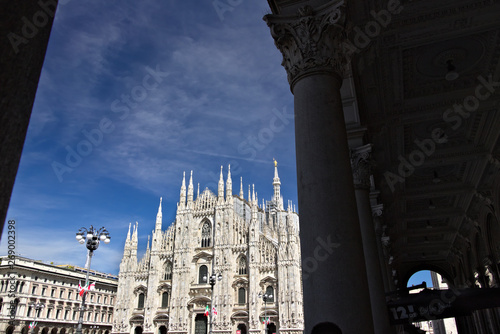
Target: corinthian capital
[311,41]
[361,164]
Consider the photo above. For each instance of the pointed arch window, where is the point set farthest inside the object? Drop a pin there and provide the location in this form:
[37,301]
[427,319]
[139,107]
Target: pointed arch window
[206,234]
[203,276]
[168,272]
[242,266]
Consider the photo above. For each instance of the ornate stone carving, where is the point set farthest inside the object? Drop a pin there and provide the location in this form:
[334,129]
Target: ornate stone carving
[361,164]
[311,41]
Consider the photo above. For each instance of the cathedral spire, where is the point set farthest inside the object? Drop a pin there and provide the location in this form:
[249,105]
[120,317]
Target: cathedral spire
[182,201]
[158,218]
[249,195]
[198,193]
[229,185]
[241,187]
[128,234]
[276,184]
[221,188]
[190,192]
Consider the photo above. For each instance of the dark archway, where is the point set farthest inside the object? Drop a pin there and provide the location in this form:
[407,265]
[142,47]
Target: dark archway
[53,331]
[326,328]
[271,328]
[242,328]
[200,324]
[45,330]
[138,330]
[9,330]
[162,329]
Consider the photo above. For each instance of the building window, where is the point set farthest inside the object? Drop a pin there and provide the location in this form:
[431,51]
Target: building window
[49,311]
[109,317]
[66,313]
[105,299]
[168,272]
[140,303]
[270,292]
[69,294]
[61,293]
[58,313]
[33,290]
[206,233]
[28,314]
[242,266]
[43,291]
[74,315]
[241,296]
[164,299]
[203,277]
[98,299]
[52,292]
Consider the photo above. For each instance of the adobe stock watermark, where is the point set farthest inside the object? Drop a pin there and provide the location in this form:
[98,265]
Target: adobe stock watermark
[222,6]
[322,252]
[31,26]
[455,117]
[121,107]
[373,28]
[253,144]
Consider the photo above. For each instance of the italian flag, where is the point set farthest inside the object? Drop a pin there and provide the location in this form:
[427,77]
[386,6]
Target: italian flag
[32,324]
[214,311]
[83,289]
[206,311]
[265,321]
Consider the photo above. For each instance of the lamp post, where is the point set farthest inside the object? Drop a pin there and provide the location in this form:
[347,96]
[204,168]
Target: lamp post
[212,280]
[264,297]
[37,306]
[93,237]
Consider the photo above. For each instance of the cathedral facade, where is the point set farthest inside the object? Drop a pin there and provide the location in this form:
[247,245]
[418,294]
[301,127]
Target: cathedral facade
[226,265]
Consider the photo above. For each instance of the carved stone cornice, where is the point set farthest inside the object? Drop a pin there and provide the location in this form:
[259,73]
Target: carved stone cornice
[312,41]
[361,164]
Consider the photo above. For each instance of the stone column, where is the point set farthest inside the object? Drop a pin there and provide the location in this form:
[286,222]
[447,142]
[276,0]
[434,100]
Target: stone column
[335,284]
[361,167]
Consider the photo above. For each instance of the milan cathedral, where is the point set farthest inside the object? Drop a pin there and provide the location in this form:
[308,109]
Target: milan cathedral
[226,265]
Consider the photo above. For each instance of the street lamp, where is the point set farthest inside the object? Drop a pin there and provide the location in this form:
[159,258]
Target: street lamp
[265,297]
[212,280]
[37,306]
[93,237]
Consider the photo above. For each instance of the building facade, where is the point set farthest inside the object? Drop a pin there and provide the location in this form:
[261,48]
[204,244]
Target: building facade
[25,283]
[250,249]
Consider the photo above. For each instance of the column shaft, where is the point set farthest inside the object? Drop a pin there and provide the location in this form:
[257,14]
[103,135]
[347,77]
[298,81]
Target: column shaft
[375,282]
[334,272]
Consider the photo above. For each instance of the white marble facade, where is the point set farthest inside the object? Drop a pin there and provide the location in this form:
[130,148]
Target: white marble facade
[252,248]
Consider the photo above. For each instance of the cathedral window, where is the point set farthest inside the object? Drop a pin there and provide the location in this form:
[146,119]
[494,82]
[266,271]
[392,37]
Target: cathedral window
[241,296]
[140,303]
[164,299]
[270,292]
[206,234]
[168,272]
[242,266]
[203,277]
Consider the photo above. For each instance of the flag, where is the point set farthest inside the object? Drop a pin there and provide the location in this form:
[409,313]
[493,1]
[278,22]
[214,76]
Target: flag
[214,311]
[81,290]
[206,311]
[32,324]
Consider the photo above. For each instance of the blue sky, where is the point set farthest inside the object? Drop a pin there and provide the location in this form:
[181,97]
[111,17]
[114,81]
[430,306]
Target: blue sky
[142,91]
